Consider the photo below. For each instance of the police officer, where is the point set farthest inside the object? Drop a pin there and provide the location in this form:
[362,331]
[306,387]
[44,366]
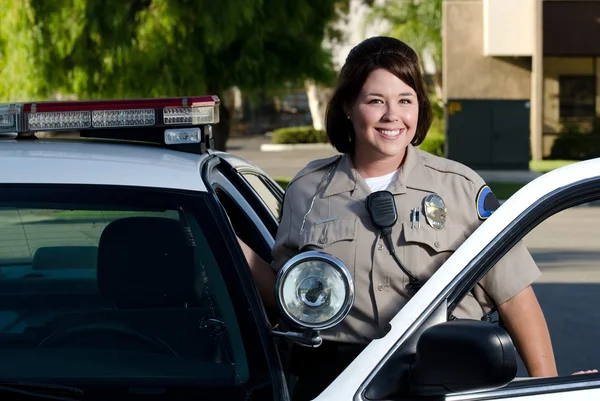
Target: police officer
[377,116]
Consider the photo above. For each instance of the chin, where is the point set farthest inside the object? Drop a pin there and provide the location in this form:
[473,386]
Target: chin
[395,151]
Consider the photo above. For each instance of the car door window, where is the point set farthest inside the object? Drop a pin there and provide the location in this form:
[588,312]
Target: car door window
[564,245]
[249,217]
[83,265]
[265,191]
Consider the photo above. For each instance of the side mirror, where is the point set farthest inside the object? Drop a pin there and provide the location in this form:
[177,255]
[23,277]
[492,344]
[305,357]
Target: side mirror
[314,292]
[462,356]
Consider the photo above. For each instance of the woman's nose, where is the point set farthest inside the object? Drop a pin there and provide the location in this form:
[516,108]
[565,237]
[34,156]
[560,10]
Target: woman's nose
[391,114]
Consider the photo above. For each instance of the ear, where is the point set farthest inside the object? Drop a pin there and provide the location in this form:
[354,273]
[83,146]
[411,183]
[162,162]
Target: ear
[347,111]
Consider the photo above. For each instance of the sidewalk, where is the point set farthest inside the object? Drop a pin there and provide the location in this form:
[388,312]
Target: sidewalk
[287,163]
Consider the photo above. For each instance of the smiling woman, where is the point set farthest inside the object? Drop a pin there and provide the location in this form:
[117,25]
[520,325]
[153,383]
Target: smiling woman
[394,214]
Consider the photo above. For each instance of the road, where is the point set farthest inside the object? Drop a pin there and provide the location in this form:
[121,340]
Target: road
[567,250]
[276,164]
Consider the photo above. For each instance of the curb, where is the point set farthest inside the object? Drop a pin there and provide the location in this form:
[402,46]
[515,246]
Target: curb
[275,147]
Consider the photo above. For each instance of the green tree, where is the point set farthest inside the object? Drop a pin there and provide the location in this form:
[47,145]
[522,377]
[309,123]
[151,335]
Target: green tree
[419,24]
[96,49]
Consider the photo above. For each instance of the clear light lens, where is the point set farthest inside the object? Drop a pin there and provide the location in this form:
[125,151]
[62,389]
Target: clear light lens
[314,292]
[189,115]
[182,136]
[123,118]
[7,120]
[59,120]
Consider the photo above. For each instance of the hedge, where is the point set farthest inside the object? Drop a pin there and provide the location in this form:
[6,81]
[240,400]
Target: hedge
[434,143]
[305,134]
[576,146]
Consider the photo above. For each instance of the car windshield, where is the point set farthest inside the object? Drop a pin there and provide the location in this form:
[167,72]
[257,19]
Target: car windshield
[117,283]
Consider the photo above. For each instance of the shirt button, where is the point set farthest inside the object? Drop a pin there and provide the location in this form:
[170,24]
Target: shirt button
[380,287]
[380,247]
[322,240]
[436,244]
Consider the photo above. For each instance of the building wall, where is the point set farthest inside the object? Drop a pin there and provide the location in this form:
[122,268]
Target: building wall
[519,17]
[468,73]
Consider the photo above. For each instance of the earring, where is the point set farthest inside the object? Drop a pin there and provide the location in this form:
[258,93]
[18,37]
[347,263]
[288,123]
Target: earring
[348,117]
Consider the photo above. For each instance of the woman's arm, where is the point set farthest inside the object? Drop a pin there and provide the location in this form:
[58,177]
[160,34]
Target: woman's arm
[525,322]
[263,274]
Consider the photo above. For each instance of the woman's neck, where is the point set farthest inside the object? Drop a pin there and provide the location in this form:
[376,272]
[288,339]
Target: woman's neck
[375,165]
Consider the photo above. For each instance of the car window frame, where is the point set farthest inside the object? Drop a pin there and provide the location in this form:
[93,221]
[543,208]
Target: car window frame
[574,194]
[214,178]
[234,169]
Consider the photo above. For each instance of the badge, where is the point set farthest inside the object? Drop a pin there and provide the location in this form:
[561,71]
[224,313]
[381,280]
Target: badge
[486,202]
[435,211]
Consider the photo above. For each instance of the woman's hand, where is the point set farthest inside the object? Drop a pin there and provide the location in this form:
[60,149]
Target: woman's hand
[584,372]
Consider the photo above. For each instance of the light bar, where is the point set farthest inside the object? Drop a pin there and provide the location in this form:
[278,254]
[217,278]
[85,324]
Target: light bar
[107,114]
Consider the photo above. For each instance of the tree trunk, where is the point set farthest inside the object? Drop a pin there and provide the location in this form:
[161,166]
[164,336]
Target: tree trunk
[314,105]
[222,128]
[437,76]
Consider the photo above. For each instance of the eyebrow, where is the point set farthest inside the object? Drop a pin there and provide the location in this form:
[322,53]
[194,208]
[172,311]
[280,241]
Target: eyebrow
[401,94]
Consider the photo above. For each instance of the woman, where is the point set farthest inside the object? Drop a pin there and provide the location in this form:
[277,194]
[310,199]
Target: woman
[376,117]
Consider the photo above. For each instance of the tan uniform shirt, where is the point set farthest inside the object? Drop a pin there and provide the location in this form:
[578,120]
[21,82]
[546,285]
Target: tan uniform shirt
[339,224]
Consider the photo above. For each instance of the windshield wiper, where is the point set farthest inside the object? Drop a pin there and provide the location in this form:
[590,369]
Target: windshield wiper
[46,391]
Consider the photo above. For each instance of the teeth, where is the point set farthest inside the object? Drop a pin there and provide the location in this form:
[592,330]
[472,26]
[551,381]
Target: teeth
[390,132]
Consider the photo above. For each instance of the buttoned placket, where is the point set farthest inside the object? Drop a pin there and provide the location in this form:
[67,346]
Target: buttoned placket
[381,261]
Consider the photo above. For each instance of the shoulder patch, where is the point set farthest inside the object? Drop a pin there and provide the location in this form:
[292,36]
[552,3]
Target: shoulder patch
[486,202]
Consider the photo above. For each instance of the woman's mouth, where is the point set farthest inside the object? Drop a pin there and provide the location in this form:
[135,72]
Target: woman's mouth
[390,133]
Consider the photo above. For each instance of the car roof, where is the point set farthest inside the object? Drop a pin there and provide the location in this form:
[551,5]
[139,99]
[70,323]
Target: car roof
[98,162]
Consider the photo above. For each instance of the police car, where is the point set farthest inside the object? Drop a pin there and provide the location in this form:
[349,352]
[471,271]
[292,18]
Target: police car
[121,275]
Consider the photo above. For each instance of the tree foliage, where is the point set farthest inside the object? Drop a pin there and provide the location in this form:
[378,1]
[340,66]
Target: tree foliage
[151,48]
[123,48]
[417,23]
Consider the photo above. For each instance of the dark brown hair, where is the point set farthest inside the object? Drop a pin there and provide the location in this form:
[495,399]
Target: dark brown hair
[377,52]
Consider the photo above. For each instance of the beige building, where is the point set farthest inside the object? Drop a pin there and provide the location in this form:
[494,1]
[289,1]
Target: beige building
[517,73]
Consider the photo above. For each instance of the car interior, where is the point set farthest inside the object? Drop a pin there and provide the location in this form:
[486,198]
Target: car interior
[117,308]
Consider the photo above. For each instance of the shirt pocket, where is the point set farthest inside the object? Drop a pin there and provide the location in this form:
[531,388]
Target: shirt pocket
[427,249]
[330,236]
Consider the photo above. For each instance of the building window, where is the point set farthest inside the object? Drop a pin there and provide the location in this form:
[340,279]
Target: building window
[577,96]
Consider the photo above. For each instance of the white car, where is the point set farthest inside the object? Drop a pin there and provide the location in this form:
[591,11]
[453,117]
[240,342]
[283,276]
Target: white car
[121,275]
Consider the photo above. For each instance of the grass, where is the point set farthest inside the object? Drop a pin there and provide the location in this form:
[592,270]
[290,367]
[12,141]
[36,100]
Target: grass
[504,190]
[544,166]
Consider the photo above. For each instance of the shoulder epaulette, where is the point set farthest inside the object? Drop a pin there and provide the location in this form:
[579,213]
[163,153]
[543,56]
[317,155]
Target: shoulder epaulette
[448,166]
[315,165]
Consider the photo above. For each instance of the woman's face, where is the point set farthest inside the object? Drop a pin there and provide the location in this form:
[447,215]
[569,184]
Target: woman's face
[384,116]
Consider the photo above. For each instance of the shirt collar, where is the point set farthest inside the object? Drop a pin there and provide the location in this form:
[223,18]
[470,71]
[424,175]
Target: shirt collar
[413,175]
